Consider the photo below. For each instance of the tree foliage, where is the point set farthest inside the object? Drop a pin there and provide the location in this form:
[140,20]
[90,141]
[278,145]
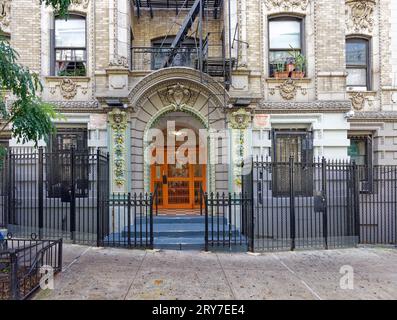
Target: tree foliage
[31,118]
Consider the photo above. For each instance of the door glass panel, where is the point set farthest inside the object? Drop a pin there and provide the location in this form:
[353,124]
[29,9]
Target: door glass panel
[178,192]
[158,172]
[197,187]
[178,170]
[198,170]
[159,186]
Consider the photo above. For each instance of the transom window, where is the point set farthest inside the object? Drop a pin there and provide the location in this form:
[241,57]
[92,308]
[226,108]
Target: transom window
[70,46]
[285,43]
[357,63]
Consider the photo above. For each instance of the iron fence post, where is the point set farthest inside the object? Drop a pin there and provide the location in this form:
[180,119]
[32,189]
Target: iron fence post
[60,254]
[356,197]
[9,183]
[206,220]
[252,206]
[14,283]
[72,195]
[98,201]
[129,219]
[151,221]
[324,194]
[292,202]
[40,191]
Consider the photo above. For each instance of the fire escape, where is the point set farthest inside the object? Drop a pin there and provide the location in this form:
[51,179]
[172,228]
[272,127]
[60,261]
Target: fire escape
[193,45]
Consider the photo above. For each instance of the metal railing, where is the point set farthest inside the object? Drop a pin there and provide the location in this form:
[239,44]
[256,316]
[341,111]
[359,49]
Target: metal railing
[128,222]
[22,264]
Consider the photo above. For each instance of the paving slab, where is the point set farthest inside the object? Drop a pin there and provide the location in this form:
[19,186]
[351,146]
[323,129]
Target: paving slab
[98,273]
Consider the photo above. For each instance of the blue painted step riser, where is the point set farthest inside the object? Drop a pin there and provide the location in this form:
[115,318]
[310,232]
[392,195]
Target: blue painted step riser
[200,234]
[180,221]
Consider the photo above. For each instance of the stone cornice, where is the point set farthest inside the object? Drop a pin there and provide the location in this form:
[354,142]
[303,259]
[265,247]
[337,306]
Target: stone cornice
[315,106]
[385,116]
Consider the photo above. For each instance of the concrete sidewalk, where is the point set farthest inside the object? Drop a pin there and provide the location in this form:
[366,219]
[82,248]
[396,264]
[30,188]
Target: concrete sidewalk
[97,273]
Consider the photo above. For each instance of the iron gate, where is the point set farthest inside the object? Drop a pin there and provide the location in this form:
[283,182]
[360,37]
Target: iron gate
[54,194]
[304,205]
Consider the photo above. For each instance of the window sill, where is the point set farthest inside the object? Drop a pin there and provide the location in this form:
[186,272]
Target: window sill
[275,80]
[74,78]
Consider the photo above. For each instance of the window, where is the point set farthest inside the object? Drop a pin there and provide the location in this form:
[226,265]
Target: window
[58,163]
[360,151]
[185,56]
[357,64]
[70,46]
[285,42]
[299,145]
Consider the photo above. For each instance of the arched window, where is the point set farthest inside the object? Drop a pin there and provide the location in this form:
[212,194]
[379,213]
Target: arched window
[70,50]
[285,44]
[358,64]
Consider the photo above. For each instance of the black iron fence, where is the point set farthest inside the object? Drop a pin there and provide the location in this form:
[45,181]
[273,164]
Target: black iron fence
[378,204]
[54,194]
[128,221]
[24,263]
[304,205]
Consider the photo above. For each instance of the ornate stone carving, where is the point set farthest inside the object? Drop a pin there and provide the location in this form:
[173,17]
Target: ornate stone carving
[287,5]
[358,101]
[178,95]
[376,115]
[359,16]
[83,3]
[119,61]
[5,15]
[68,88]
[240,119]
[323,106]
[118,123]
[288,89]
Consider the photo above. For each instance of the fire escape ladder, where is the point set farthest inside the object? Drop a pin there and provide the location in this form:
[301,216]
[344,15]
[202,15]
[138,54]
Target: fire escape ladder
[184,29]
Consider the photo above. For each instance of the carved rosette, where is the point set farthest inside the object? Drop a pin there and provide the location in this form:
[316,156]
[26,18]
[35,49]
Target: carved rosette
[178,96]
[239,122]
[362,100]
[288,89]
[119,61]
[286,5]
[80,3]
[5,15]
[118,125]
[359,16]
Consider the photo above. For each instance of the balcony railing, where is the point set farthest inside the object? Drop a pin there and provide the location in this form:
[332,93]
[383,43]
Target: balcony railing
[154,58]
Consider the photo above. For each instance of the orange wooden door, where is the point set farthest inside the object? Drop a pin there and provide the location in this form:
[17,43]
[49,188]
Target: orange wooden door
[178,185]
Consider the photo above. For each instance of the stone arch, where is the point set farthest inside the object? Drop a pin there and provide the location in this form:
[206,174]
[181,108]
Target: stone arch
[169,90]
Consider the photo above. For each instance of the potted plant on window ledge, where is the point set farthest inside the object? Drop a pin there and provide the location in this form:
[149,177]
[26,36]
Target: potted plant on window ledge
[280,72]
[299,59]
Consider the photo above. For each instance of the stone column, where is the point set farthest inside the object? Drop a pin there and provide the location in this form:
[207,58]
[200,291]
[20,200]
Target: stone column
[119,151]
[119,32]
[240,123]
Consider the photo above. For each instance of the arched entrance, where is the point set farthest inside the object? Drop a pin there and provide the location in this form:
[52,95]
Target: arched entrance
[178,170]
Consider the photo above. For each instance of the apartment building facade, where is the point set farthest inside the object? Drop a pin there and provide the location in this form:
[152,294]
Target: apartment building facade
[308,79]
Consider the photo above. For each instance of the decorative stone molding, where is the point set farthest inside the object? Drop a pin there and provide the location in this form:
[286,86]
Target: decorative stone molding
[118,125]
[178,95]
[119,61]
[362,99]
[288,89]
[185,76]
[76,105]
[359,16]
[68,87]
[5,15]
[286,5]
[80,3]
[315,106]
[386,116]
[240,119]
